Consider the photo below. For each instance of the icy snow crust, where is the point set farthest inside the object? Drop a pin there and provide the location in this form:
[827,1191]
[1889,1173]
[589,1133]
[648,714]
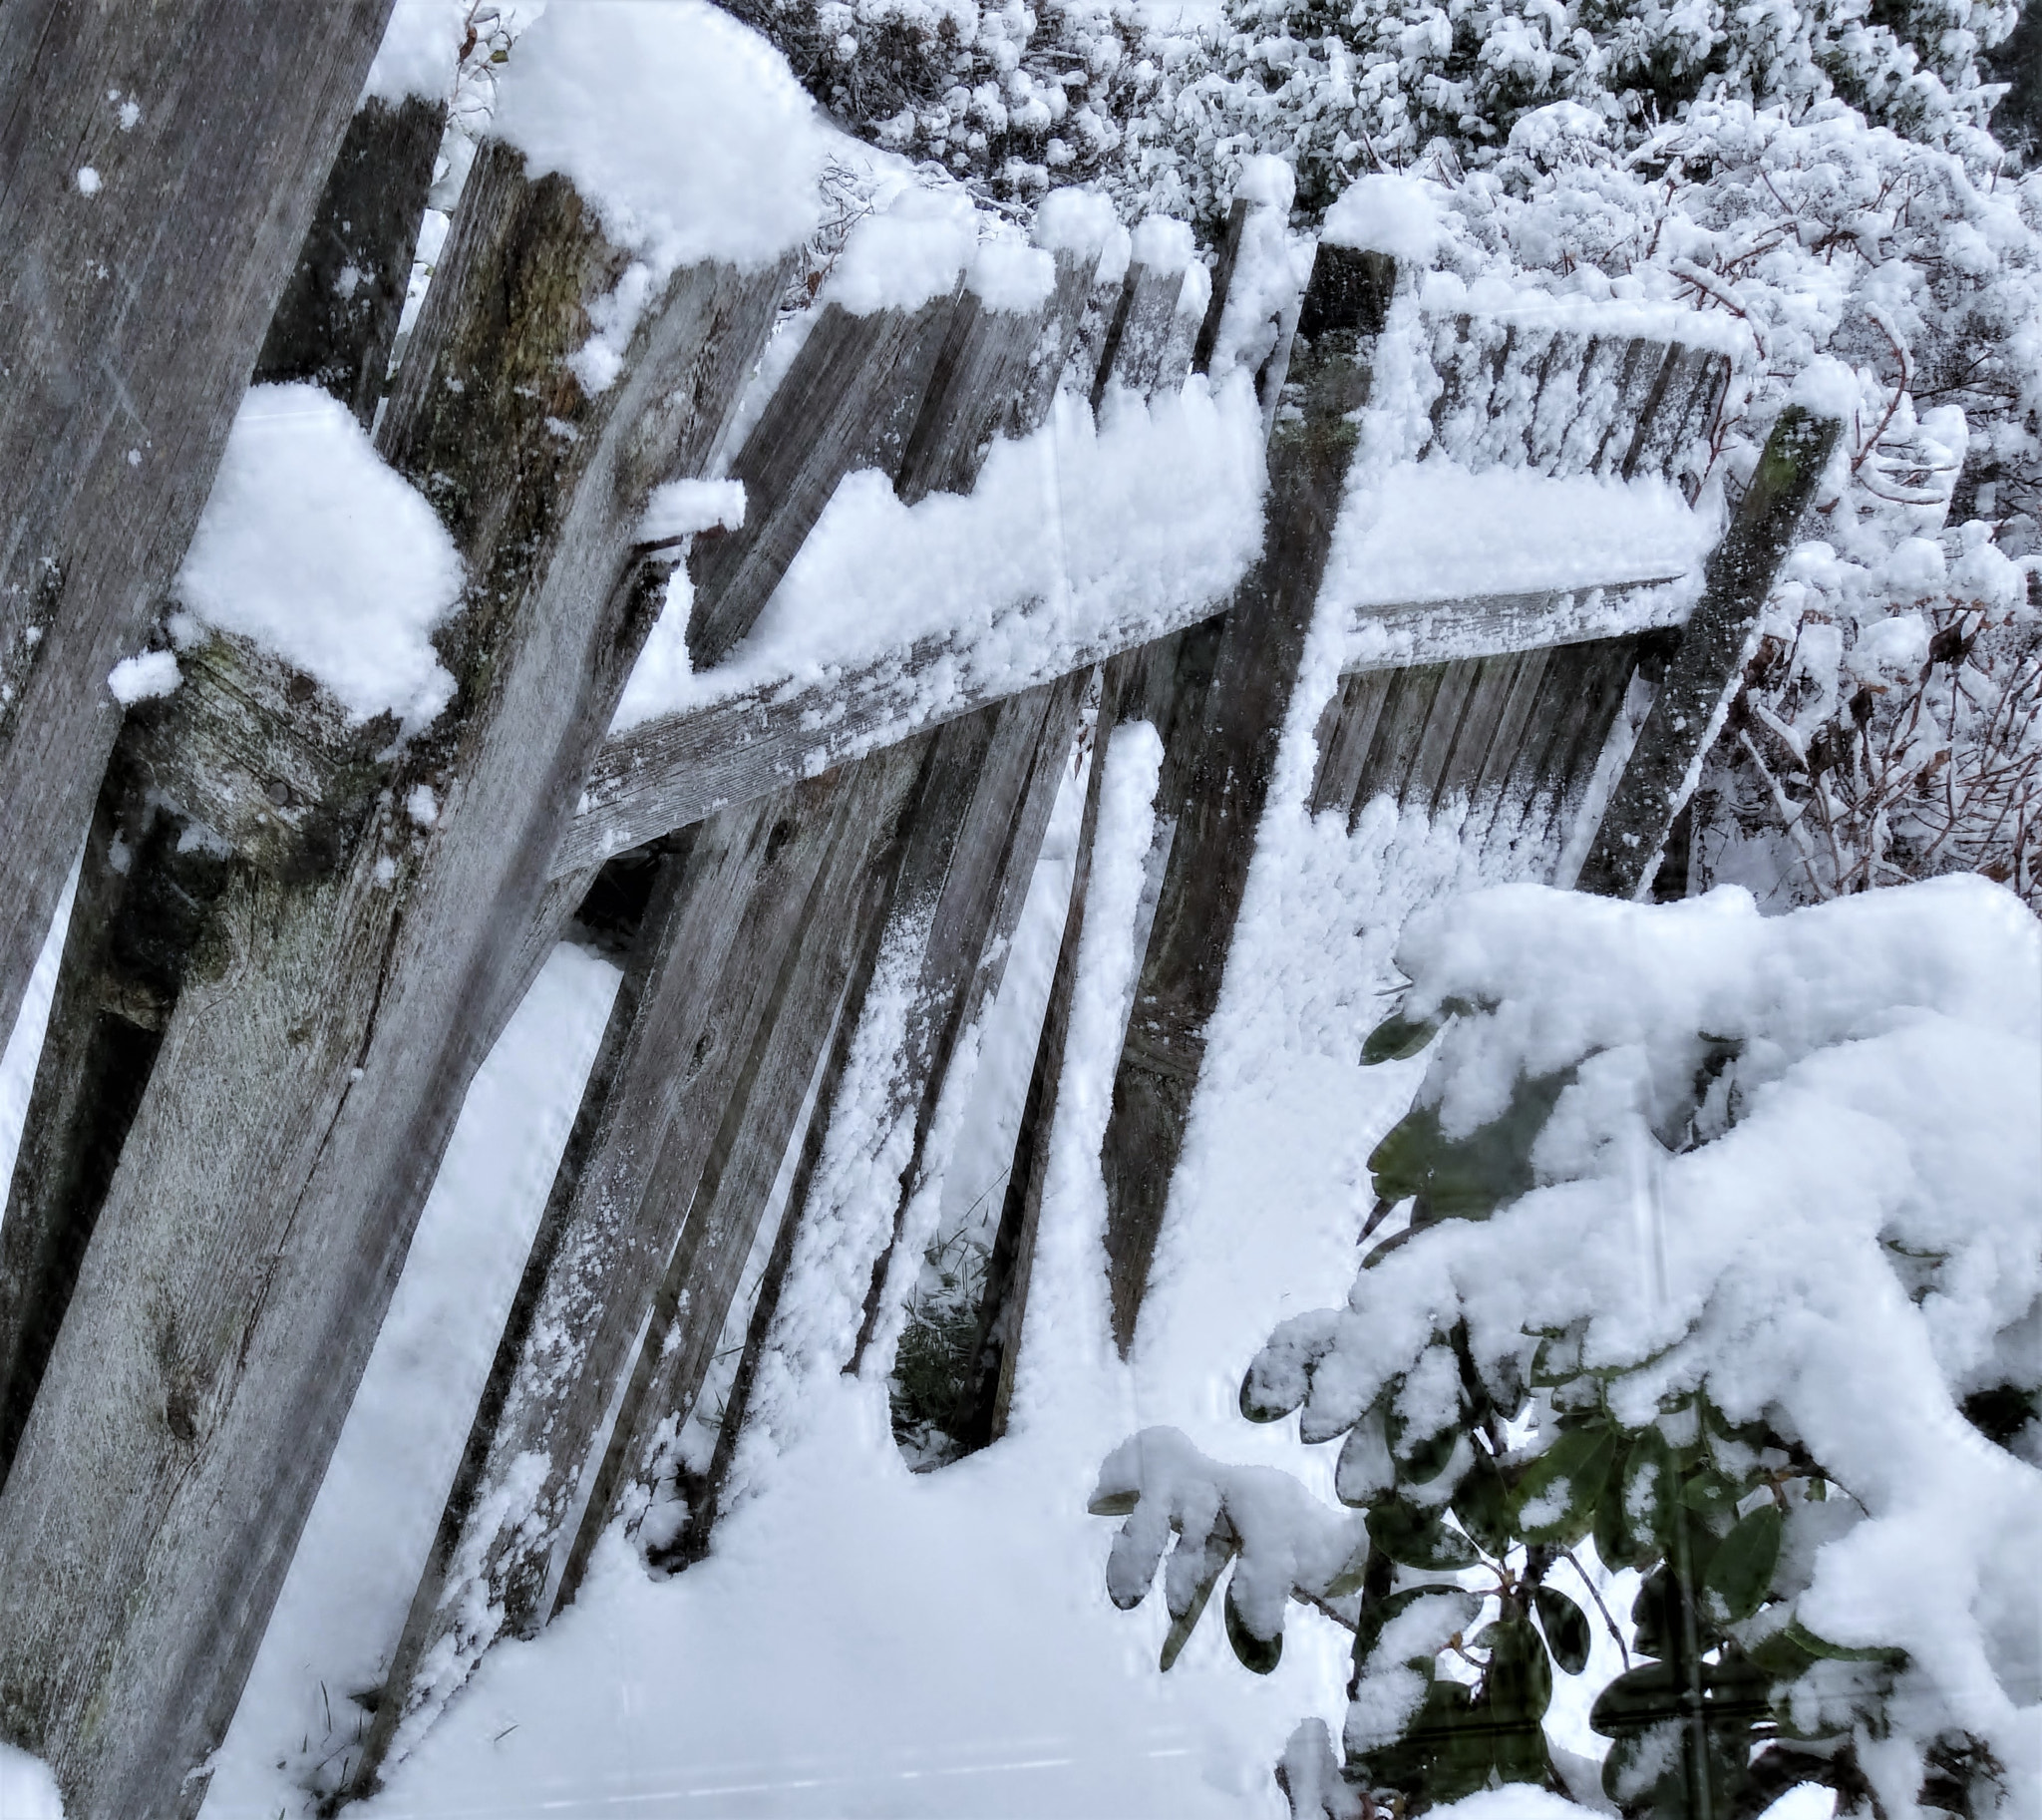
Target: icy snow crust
[312,546]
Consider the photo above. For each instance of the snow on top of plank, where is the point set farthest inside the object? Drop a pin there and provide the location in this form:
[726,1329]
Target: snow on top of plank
[1432,530]
[1617,317]
[685,130]
[1070,533]
[312,546]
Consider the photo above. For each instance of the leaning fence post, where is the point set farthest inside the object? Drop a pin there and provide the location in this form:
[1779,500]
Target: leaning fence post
[1690,704]
[148,235]
[265,1196]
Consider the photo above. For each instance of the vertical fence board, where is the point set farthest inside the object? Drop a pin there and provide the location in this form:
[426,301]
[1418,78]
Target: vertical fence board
[130,317]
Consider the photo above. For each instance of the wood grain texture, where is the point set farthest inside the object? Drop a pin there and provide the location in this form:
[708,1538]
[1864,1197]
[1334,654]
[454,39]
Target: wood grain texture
[311,1071]
[1705,671]
[129,320]
[336,322]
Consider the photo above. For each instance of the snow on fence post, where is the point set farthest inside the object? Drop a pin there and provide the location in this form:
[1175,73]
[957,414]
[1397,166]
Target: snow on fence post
[1220,754]
[265,1198]
[336,322]
[212,755]
[158,169]
[1690,704]
[1137,333]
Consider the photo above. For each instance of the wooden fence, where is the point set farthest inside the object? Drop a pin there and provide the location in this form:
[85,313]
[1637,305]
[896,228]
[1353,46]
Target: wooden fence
[261,1042]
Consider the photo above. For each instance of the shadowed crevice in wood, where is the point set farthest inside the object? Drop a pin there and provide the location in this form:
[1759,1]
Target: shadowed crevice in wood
[336,322]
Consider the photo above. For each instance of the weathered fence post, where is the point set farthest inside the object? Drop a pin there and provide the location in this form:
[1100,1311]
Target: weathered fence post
[1221,758]
[311,1071]
[145,891]
[1689,707]
[158,169]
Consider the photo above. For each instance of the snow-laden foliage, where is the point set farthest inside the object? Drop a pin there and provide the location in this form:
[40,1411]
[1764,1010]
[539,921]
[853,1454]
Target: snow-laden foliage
[1716,1239]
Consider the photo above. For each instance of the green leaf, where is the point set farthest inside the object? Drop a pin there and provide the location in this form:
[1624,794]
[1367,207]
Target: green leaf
[1354,1575]
[1566,1625]
[1843,1653]
[1417,1538]
[1556,1500]
[1365,1470]
[1651,1489]
[1712,1497]
[1466,1178]
[1375,1618]
[1519,1679]
[1656,1613]
[1742,1569]
[1259,1654]
[1114,1503]
[1444,1753]
[1637,1700]
[1254,1408]
[1644,1775]
[1619,1542]
[1182,1627]
[1481,1501]
[1397,1038]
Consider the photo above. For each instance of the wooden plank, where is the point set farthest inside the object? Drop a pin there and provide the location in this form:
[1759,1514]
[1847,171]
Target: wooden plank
[850,400]
[1704,673]
[1208,342]
[1439,733]
[247,749]
[1482,725]
[1054,351]
[262,1204]
[710,974]
[674,770]
[1399,735]
[1665,423]
[1003,1303]
[129,316]
[1346,733]
[1009,788]
[1219,785]
[1132,355]
[141,900]
[336,322]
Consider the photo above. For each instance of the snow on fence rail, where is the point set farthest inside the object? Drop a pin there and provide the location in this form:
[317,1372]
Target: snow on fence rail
[296,934]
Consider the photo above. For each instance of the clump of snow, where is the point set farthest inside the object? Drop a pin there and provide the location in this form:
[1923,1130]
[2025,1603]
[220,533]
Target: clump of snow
[1826,387]
[28,1791]
[1012,277]
[907,255]
[1431,531]
[685,130]
[1268,181]
[1069,534]
[144,676]
[1398,215]
[89,181]
[320,553]
[1559,128]
[1163,245]
[1075,220]
[419,52]
[678,508]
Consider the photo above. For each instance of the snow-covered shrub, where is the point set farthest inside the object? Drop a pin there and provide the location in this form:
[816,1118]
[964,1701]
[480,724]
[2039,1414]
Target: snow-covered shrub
[1713,1242]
